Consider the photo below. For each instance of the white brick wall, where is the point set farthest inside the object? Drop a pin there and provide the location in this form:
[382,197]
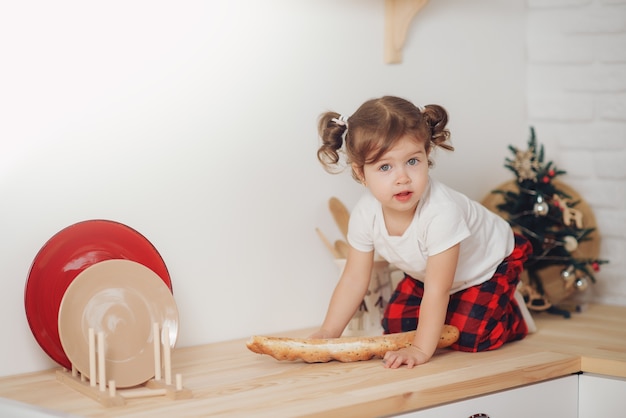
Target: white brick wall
[577,104]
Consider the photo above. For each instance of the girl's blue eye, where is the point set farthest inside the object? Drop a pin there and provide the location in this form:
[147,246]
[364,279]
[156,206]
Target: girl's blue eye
[385,167]
[412,161]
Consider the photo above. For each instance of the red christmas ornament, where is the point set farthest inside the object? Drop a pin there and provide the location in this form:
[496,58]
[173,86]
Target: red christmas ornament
[595,266]
[546,179]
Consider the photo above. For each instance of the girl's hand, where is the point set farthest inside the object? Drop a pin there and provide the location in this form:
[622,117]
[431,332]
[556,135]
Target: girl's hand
[411,356]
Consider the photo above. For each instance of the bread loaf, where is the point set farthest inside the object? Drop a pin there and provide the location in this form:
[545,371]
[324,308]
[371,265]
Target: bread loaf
[344,349]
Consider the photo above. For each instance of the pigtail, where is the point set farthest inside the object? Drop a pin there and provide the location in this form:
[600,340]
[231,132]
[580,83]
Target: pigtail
[331,129]
[437,118]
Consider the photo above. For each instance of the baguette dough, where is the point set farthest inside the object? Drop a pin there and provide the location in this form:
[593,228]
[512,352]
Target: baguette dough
[345,349]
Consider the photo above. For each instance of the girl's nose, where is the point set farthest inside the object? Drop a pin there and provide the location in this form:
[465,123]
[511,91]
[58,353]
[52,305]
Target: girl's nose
[403,177]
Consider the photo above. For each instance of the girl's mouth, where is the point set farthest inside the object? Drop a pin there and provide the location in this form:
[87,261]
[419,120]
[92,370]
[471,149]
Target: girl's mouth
[403,196]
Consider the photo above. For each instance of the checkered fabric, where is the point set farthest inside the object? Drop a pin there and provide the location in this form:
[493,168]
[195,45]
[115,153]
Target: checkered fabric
[487,314]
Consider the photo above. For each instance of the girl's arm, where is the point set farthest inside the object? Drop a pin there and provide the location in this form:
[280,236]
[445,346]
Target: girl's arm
[348,294]
[440,270]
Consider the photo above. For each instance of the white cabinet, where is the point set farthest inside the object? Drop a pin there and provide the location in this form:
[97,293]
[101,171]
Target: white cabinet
[577,396]
[550,399]
[601,396]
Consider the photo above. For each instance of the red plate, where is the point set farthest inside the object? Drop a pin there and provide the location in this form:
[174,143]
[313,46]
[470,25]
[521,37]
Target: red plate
[63,257]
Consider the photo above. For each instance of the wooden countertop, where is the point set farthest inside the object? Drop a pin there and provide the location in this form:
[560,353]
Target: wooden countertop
[228,380]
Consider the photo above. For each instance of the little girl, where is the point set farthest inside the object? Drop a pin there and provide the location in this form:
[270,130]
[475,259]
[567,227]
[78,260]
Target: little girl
[461,261]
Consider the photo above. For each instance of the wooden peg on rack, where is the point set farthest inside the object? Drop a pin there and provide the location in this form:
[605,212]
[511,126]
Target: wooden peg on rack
[156,336]
[167,359]
[92,357]
[101,363]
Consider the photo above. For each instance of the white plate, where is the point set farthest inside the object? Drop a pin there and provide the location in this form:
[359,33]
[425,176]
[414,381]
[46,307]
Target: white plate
[122,299]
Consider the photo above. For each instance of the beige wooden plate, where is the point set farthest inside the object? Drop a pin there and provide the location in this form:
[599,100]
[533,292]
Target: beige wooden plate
[122,299]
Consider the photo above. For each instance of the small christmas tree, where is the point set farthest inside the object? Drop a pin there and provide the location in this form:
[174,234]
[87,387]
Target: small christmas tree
[548,218]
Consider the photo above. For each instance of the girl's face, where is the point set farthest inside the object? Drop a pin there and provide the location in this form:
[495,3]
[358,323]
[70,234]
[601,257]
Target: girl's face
[399,178]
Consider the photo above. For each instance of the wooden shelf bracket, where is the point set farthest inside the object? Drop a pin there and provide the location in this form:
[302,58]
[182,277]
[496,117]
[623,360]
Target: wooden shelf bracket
[398,17]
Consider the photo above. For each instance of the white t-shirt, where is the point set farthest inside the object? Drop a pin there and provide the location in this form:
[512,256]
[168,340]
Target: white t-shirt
[443,218]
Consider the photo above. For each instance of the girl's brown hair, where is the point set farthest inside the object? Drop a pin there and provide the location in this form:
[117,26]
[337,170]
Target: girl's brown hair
[375,128]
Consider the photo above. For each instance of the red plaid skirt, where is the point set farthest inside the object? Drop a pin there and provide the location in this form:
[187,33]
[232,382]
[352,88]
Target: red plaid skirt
[487,315]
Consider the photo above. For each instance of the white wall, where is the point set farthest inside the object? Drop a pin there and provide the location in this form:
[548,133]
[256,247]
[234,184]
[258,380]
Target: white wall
[577,103]
[194,123]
